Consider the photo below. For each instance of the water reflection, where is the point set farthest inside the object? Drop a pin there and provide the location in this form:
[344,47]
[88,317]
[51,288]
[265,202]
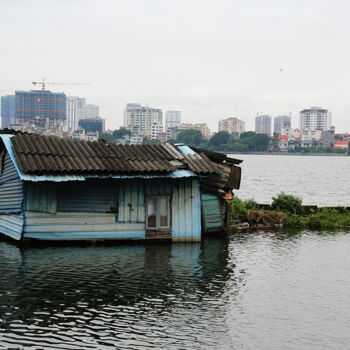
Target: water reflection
[110,295]
[256,290]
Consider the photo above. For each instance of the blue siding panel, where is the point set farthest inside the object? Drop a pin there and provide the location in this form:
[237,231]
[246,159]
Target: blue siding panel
[41,197]
[11,187]
[79,226]
[212,215]
[11,199]
[185,204]
[92,196]
[12,226]
[129,223]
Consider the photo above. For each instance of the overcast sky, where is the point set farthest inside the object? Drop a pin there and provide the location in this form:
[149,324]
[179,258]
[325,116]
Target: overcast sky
[209,59]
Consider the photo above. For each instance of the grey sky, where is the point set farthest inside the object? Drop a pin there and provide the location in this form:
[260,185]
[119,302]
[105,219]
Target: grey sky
[209,59]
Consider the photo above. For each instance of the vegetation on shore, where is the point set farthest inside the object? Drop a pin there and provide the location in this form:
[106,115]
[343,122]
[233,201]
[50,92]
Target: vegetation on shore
[286,211]
[222,141]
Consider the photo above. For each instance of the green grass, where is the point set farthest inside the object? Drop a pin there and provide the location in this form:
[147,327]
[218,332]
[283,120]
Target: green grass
[323,219]
[239,208]
[288,209]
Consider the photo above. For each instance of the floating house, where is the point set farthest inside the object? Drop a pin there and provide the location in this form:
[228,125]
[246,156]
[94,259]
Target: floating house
[62,189]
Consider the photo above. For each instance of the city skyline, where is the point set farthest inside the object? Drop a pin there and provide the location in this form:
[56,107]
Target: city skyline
[92,111]
[208,60]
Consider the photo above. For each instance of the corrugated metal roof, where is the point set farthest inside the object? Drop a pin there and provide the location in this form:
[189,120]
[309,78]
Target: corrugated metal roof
[71,159]
[61,177]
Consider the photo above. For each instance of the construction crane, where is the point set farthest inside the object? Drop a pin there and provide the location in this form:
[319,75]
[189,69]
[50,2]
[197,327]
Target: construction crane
[43,84]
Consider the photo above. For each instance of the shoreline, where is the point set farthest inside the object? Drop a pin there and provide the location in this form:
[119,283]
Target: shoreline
[251,215]
[287,154]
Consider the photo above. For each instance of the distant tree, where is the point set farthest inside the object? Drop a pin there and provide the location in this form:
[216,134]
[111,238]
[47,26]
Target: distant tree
[261,142]
[121,132]
[106,137]
[247,134]
[151,142]
[190,137]
[255,142]
[220,138]
[115,135]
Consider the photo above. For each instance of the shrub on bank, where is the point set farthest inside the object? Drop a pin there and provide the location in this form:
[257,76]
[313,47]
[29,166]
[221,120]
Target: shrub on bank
[323,219]
[286,210]
[240,208]
[287,203]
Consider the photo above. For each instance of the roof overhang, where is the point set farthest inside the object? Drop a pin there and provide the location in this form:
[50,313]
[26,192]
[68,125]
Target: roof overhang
[6,138]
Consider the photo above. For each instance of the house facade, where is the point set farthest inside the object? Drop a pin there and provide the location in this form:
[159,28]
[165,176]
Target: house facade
[57,189]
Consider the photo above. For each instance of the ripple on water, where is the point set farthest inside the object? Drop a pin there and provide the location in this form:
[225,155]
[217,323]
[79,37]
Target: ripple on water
[254,291]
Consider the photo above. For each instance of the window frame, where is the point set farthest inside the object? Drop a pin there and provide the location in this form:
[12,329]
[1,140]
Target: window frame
[157,199]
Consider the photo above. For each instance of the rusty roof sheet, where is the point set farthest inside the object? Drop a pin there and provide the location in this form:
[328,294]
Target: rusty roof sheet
[36,154]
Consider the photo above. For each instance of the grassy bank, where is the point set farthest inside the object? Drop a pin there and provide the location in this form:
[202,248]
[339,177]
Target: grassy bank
[285,211]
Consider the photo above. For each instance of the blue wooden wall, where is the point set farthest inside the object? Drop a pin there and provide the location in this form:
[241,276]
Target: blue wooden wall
[185,204]
[11,199]
[51,215]
[11,187]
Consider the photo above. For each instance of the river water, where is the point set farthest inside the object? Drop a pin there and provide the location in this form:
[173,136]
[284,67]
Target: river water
[257,290]
[319,180]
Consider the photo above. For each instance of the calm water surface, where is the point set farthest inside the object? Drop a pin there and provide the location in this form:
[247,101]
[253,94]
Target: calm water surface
[259,290]
[254,291]
[320,180]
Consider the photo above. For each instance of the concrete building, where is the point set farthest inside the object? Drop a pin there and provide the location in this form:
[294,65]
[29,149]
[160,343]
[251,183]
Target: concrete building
[89,111]
[155,130]
[85,136]
[328,137]
[281,121]
[263,124]
[73,106]
[341,145]
[311,138]
[42,108]
[202,127]
[92,125]
[233,126]
[77,109]
[171,133]
[172,119]
[139,119]
[8,109]
[315,118]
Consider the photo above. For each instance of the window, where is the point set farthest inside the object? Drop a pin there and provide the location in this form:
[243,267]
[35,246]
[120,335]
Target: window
[158,212]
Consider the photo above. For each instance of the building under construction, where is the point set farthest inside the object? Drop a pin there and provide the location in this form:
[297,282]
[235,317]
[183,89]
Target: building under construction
[43,108]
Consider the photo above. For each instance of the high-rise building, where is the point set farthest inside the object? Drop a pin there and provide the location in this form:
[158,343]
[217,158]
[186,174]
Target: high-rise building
[315,118]
[139,119]
[233,126]
[263,124]
[202,127]
[43,108]
[89,111]
[77,109]
[8,108]
[73,106]
[281,121]
[92,124]
[156,129]
[172,119]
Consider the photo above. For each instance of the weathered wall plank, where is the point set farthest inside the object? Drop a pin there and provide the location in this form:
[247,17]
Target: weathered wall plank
[11,187]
